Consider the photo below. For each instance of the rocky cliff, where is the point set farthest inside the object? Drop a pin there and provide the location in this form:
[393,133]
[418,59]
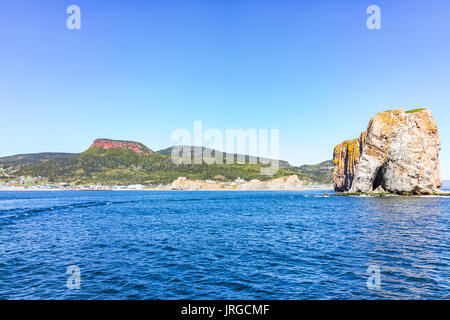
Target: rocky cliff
[346,156]
[398,153]
[291,182]
[120,144]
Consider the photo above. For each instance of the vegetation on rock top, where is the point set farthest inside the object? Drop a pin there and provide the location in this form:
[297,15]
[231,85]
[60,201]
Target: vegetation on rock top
[415,110]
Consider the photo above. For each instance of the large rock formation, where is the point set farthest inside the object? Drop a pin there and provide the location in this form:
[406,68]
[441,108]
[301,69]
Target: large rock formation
[184,184]
[120,144]
[346,156]
[398,153]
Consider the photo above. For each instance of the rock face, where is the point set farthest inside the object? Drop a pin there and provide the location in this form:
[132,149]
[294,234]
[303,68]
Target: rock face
[346,156]
[398,153]
[184,184]
[120,144]
[291,182]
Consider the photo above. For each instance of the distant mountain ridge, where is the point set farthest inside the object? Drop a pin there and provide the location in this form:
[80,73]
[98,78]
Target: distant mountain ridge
[109,161]
[168,151]
[32,158]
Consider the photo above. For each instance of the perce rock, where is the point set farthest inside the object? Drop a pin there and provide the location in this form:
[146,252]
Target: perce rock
[398,153]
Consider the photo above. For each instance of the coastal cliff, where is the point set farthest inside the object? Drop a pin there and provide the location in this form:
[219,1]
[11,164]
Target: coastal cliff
[346,157]
[291,182]
[398,153]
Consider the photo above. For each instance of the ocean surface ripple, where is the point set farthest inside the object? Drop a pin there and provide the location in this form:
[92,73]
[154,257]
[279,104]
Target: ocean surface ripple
[222,245]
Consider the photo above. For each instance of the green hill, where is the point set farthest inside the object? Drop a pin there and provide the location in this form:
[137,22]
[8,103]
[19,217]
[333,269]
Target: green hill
[321,172]
[110,166]
[31,158]
[168,152]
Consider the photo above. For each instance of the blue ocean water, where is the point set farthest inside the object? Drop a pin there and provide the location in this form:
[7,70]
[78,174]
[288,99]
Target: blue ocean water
[222,245]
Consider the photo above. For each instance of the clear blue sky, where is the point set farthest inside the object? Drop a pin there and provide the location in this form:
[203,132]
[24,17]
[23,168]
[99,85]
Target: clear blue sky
[138,70]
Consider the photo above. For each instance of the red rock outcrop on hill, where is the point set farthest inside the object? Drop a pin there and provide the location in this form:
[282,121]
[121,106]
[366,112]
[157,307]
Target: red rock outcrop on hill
[120,144]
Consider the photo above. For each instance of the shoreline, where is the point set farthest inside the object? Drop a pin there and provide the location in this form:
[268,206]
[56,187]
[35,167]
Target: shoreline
[444,193]
[305,189]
